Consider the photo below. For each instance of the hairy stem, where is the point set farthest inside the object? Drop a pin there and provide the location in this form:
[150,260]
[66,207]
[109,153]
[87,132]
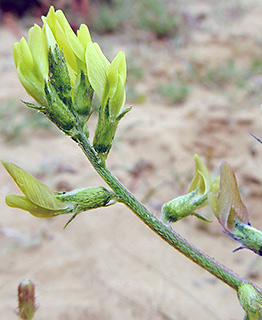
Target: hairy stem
[164,231]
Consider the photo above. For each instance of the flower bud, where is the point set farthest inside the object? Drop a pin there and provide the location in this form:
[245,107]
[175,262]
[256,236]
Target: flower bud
[87,198]
[107,80]
[73,45]
[250,300]
[182,206]
[185,205]
[31,60]
[57,111]
[26,300]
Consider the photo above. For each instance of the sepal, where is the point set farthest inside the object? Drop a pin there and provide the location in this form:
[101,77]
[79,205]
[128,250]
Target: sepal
[105,132]
[251,301]
[33,106]
[57,111]
[59,76]
[183,206]
[83,95]
[86,199]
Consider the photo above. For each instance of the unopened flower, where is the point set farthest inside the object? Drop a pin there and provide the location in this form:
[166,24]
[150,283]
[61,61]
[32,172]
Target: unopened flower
[26,300]
[73,45]
[31,61]
[185,205]
[107,79]
[202,181]
[251,301]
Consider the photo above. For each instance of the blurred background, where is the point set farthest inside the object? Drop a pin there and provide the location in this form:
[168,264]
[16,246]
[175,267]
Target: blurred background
[194,81]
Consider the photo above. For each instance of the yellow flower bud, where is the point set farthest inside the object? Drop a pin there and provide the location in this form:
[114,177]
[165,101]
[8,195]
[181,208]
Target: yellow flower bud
[31,60]
[202,179]
[107,80]
[116,82]
[73,45]
[97,66]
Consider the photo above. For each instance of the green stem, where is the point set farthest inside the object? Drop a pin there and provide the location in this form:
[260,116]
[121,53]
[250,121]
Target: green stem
[164,231]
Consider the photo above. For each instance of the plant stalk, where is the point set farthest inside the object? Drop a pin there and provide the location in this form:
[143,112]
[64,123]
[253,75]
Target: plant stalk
[164,231]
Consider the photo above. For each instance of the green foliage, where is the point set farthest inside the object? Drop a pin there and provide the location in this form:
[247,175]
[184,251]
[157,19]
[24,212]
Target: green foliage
[220,76]
[133,96]
[256,65]
[135,72]
[175,92]
[24,121]
[156,16]
[135,76]
[110,17]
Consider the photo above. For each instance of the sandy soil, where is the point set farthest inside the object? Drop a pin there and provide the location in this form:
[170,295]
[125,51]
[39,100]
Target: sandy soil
[107,264]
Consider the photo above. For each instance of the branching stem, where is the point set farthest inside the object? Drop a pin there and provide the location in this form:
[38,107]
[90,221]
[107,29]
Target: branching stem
[164,231]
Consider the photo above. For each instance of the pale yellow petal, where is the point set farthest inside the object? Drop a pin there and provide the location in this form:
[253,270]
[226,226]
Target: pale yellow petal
[83,35]
[38,46]
[33,86]
[202,179]
[33,189]
[118,100]
[119,64]
[23,203]
[97,66]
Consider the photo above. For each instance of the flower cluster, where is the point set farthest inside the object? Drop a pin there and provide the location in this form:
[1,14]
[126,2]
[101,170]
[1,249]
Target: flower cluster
[61,70]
